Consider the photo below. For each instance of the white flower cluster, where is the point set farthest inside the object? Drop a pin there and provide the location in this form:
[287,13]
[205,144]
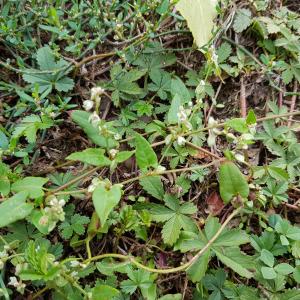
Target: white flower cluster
[113,153]
[183,115]
[19,285]
[95,182]
[53,212]
[96,93]
[213,55]
[4,256]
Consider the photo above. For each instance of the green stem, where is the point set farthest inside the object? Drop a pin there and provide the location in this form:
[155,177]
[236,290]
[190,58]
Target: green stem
[169,270]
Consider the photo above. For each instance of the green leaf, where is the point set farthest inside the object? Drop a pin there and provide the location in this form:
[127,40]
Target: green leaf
[238,124]
[81,118]
[179,88]
[123,156]
[236,260]
[267,257]
[145,155]
[251,117]
[199,15]
[198,269]
[109,267]
[153,186]
[232,237]
[284,269]
[268,273]
[14,209]
[232,182]
[242,20]
[104,292]
[91,156]
[171,230]
[171,297]
[45,58]
[172,117]
[224,52]
[32,185]
[105,200]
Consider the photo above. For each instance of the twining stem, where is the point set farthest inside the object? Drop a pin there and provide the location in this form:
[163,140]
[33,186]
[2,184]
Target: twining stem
[168,270]
[84,175]
[137,177]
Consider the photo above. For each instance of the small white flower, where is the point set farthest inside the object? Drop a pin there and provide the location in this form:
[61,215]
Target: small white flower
[74,274]
[94,119]
[74,263]
[61,202]
[13,281]
[181,141]
[117,136]
[113,153]
[93,185]
[231,136]
[190,104]
[168,139]
[202,83]
[3,254]
[247,137]
[160,169]
[239,157]
[88,105]
[96,92]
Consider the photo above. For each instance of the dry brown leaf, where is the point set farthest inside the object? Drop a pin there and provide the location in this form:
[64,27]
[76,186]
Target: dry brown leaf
[214,204]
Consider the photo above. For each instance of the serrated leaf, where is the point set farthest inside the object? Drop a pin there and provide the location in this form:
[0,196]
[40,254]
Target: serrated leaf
[236,260]
[105,200]
[232,182]
[224,52]
[198,269]
[45,58]
[242,20]
[14,209]
[199,15]
[91,156]
[153,186]
[171,230]
[32,185]
[145,155]
[104,292]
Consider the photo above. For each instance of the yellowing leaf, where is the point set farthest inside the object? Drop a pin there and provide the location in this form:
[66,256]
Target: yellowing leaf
[199,15]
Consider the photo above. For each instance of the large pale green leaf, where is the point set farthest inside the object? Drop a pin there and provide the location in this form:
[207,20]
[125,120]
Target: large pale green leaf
[14,209]
[232,182]
[32,185]
[199,15]
[105,200]
[91,156]
[145,155]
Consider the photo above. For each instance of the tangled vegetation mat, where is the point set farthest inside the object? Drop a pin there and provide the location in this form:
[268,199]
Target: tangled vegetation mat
[149,149]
